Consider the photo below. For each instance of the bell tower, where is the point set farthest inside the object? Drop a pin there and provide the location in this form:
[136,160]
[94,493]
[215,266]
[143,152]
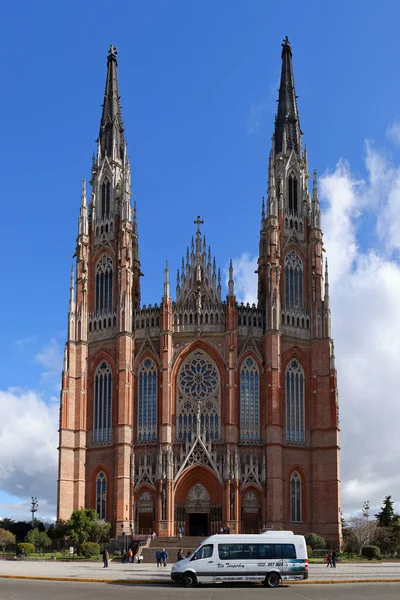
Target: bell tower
[97,382]
[301,428]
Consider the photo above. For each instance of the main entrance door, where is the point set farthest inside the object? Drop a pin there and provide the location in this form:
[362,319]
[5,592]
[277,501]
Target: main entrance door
[198,508]
[198,524]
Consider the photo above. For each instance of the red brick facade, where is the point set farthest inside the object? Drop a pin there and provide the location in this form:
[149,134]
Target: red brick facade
[252,388]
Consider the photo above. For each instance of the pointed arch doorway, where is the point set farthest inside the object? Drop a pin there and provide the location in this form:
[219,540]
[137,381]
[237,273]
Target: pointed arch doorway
[198,508]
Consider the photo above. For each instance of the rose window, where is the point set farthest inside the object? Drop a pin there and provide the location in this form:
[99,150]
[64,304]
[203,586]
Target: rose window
[198,395]
[199,378]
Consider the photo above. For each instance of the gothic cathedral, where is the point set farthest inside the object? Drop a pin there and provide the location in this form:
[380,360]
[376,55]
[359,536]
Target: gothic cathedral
[201,412]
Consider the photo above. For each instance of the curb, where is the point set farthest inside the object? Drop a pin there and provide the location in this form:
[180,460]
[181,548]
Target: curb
[169,582]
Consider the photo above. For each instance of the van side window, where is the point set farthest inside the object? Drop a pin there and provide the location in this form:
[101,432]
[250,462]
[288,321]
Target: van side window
[205,552]
[255,551]
[284,551]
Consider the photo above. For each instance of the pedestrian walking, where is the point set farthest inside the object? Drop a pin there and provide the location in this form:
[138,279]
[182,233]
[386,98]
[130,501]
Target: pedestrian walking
[180,555]
[158,558]
[105,558]
[334,556]
[328,559]
[130,556]
[22,553]
[164,557]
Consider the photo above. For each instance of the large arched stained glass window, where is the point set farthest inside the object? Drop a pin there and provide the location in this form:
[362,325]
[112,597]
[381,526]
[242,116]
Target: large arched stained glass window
[295,497]
[101,495]
[293,280]
[102,409]
[104,284]
[147,401]
[249,401]
[198,393]
[294,392]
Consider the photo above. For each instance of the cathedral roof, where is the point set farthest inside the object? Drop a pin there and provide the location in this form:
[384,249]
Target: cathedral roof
[287,122]
[111,134]
[198,281]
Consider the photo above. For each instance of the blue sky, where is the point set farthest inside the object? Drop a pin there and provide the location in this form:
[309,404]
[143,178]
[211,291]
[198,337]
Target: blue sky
[198,84]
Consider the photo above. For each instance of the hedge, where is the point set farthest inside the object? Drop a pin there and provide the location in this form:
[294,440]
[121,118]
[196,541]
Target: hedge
[370,552]
[28,548]
[89,549]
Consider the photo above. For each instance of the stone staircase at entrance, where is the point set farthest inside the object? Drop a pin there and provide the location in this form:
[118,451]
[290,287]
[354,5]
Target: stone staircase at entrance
[171,544]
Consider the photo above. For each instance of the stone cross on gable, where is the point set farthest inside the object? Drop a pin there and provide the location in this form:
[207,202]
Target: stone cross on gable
[198,222]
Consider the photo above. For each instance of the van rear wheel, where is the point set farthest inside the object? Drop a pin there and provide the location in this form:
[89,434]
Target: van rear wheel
[272,580]
[189,580]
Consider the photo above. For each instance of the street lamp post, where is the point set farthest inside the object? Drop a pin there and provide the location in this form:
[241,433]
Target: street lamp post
[34,507]
[365,512]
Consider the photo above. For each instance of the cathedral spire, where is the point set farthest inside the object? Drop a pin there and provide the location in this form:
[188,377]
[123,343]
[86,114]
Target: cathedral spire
[230,281]
[316,210]
[166,281]
[111,137]
[287,125]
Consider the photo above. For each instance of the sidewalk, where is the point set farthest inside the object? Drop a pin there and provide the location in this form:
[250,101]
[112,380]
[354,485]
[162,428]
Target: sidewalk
[149,573]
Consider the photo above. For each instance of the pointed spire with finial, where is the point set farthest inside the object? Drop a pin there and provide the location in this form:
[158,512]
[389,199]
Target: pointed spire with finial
[287,125]
[326,297]
[166,281]
[111,137]
[72,291]
[231,291]
[65,365]
[83,228]
[316,210]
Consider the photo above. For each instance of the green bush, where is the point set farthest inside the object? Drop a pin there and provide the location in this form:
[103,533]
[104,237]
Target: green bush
[29,548]
[89,549]
[309,552]
[315,540]
[320,553]
[370,552]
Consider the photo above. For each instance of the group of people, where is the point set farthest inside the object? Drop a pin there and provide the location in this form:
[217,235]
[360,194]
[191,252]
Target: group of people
[161,557]
[330,559]
[225,530]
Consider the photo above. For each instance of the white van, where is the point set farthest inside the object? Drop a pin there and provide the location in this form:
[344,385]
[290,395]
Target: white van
[270,557]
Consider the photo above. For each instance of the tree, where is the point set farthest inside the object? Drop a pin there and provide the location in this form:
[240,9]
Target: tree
[6,538]
[315,541]
[358,533]
[58,531]
[80,524]
[100,531]
[19,528]
[43,541]
[386,517]
[388,534]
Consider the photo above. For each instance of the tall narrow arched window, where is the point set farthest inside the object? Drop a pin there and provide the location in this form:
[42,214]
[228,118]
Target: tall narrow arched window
[295,498]
[292,185]
[102,409]
[104,284]
[249,401]
[105,199]
[294,392]
[293,280]
[101,495]
[147,401]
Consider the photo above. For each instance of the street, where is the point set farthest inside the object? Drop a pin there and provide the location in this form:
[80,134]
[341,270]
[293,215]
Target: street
[12,589]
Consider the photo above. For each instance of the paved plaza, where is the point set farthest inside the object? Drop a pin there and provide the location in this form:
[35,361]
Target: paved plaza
[150,573]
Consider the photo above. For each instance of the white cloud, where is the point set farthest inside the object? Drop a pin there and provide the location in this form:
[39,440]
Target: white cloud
[245,278]
[393,133]
[51,358]
[365,291]
[28,450]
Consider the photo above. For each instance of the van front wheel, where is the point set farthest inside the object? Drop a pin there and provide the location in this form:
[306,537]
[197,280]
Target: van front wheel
[272,580]
[189,580]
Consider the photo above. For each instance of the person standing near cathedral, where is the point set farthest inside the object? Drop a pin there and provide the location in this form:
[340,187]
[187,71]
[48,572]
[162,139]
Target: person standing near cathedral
[105,558]
[164,557]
